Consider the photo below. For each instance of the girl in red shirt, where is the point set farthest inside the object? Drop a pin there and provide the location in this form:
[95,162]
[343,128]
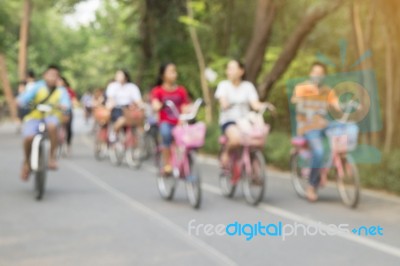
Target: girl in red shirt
[167,89]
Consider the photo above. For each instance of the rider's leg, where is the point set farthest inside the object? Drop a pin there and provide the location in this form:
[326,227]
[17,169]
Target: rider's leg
[29,129]
[69,131]
[119,124]
[232,132]
[315,142]
[52,127]
[166,136]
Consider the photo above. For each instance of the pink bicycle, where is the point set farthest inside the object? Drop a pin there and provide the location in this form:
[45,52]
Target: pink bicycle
[342,138]
[247,163]
[187,139]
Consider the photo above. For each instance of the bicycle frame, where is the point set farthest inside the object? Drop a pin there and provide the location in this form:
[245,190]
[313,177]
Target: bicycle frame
[335,157]
[244,159]
[180,161]
[240,161]
[180,154]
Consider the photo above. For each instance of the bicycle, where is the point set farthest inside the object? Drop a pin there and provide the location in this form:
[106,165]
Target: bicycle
[130,141]
[187,139]
[40,153]
[62,141]
[342,138]
[150,140]
[246,163]
[101,116]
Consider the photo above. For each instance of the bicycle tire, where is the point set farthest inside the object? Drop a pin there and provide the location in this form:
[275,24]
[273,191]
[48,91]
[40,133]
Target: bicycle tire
[41,173]
[193,182]
[258,180]
[353,199]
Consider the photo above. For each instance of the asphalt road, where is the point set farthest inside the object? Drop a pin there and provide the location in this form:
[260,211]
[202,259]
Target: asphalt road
[96,214]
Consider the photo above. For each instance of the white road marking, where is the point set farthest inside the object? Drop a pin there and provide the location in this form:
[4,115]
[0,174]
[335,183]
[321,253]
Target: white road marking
[385,248]
[206,249]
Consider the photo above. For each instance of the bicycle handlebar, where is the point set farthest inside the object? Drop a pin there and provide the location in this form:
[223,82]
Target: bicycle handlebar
[185,117]
[44,108]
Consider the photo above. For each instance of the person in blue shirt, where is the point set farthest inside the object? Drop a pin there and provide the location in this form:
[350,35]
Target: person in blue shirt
[60,102]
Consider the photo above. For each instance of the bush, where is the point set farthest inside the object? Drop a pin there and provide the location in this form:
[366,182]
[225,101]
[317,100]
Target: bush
[277,150]
[211,145]
[385,175]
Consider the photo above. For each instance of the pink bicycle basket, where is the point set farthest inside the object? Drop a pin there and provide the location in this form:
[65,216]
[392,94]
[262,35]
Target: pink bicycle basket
[343,137]
[257,136]
[190,136]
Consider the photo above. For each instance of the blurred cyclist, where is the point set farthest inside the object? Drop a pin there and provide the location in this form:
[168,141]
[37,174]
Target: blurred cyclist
[313,101]
[166,89]
[236,97]
[44,91]
[69,115]
[121,94]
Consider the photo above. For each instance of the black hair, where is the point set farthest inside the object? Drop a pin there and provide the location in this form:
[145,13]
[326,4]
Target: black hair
[241,66]
[161,73]
[65,81]
[320,64]
[55,67]
[126,74]
[30,74]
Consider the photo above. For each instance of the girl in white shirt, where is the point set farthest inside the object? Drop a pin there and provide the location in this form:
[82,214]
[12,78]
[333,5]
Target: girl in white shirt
[236,97]
[121,94]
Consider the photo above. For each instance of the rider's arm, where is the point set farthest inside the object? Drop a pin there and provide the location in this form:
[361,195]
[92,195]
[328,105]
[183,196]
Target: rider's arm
[110,102]
[221,96]
[29,95]
[253,97]
[156,103]
[186,104]
[334,101]
[65,101]
[136,96]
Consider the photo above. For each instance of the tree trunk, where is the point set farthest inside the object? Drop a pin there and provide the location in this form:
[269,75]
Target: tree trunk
[305,26]
[146,43]
[389,93]
[5,82]
[227,29]
[202,66]
[264,18]
[23,40]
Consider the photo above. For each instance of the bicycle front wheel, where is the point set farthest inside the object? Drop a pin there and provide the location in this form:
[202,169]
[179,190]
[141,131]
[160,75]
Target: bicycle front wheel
[349,183]
[117,150]
[193,182]
[254,180]
[165,183]
[299,174]
[134,155]
[41,173]
[100,145]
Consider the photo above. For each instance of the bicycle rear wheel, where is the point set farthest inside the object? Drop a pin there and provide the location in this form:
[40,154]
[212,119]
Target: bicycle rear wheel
[193,182]
[349,184]
[226,183]
[41,173]
[254,182]
[299,175]
[100,145]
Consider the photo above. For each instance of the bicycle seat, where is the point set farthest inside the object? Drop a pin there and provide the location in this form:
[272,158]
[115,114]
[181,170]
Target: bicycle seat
[223,140]
[299,141]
